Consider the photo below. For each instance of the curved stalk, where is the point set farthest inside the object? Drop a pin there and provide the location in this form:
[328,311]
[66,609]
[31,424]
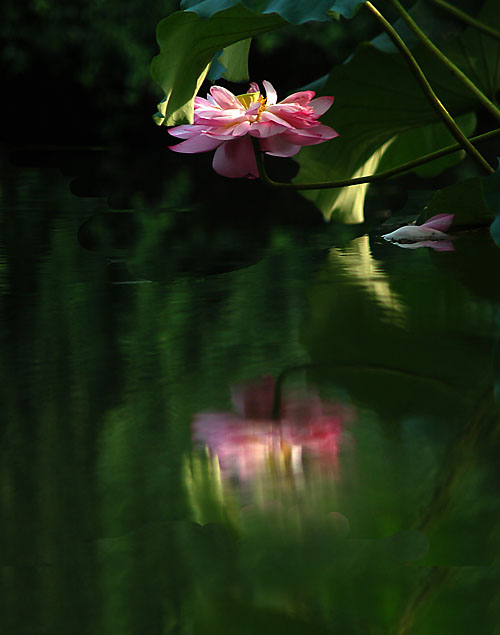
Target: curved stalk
[433,99]
[481,425]
[456,72]
[429,584]
[467,19]
[371,178]
[346,366]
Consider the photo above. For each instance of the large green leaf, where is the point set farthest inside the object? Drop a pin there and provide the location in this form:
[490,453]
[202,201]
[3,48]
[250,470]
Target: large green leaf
[378,100]
[478,55]
[187,45]
[435,22]
[492,198]
[417,141]
[235,60]
[473,202]
[495,231]
[231,63]
[465,200]
[295,11]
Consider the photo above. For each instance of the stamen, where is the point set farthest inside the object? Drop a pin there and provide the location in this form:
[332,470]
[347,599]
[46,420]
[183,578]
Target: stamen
[248,98]
[263,102]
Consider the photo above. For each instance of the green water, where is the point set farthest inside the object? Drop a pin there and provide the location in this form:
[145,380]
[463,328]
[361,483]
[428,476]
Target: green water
[120,329]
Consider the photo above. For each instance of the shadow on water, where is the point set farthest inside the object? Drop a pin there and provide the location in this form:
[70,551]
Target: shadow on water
[220,416]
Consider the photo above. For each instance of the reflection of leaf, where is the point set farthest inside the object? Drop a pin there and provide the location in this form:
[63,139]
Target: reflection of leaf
[187,46]
[367,272]
[400,323]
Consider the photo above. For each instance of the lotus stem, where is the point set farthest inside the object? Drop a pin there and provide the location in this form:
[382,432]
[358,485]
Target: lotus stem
[464,17]
[371,178]
[458,74]
[433,99]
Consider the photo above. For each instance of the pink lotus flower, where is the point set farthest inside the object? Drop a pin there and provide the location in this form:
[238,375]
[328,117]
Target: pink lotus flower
[223,122]
[248,441]
[429,234]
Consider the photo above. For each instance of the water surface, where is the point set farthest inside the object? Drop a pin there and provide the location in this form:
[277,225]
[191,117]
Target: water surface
[210,428]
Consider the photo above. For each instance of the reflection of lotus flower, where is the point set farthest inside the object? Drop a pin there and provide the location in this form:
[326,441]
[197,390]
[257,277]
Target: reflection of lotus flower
[249,441]
[224,121]
[429,234]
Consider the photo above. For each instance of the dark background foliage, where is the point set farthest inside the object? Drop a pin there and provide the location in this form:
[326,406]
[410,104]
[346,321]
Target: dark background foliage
[78,72]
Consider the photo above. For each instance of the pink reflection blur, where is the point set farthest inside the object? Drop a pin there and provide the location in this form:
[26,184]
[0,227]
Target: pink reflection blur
[249,442]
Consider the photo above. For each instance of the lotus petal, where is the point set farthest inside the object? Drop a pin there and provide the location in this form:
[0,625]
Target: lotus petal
[235,159]
[223,122]
[442,222]
[415,233]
